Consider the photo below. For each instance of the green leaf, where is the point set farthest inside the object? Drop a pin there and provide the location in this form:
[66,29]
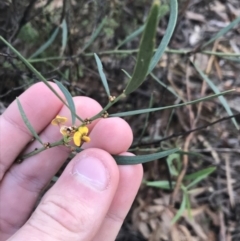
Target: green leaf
[188,206]
[38,74]
[46,44]
[27,123]
[145,50]
[160,184]
[146,120]
[181,209]
[164,9]
[222,32]
[132,160]
[126,73]
[173,170]
[169,88]
[167,36]
[216,90]
[143,111]
[102,75]
[64,35]
[199,176]
[94,34]
[69,99]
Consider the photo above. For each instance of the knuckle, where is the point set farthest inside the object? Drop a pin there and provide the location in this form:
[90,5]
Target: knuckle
[67,213]
[116,218]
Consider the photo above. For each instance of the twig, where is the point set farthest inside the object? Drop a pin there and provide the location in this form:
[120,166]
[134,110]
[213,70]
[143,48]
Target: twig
[187,132]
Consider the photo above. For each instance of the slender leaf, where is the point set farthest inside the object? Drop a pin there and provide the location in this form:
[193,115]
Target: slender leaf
[164,9]
[132,160]
[145,50]
[94,34]
[169,31]
[188,206]
[181,209]
[46,44]
[64,35]
[216,90]
[132,36]
[27,123]
[199,176]
[160,184]
[223,31]
[69,99]
[38,74]
[143,111]
[146,120]
[102,75]
[169,88]
[173,170]
[126,73]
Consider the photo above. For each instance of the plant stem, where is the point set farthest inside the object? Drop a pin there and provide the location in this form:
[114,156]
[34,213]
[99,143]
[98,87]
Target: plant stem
[36,151]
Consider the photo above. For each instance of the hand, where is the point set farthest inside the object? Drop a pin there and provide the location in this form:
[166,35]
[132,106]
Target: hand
[92,196]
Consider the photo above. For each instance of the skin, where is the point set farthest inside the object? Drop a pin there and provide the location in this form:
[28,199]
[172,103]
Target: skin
[92,196]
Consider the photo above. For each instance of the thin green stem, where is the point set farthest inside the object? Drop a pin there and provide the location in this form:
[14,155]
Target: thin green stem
[38,74]
[132,51]
[110,103]
[38,150]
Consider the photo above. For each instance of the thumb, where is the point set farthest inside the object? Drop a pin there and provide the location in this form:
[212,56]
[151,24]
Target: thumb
[74,208]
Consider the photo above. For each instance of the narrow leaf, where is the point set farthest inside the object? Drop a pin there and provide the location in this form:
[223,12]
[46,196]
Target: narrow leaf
[94,34]
[132,160]
[169,31]
[64,35]
[146,120]
[145,50]
[181,209]
[102,75]
[199,176]
[162,12]
[37,73]
[169,88]
[143,111]
[69,99]
[216,90]
[46,44]
[174,171]
[160,184]
[27,123]
[222,31]
[126,73]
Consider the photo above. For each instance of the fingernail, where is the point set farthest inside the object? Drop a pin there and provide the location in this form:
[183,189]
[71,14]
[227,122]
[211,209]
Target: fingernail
[91,171]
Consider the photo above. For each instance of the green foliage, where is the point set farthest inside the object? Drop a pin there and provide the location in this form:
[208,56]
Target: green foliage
[28,124]
[102,75]
[189,181]
[28,33]
[145,64]
[145,50]
[110,27]
[69,100]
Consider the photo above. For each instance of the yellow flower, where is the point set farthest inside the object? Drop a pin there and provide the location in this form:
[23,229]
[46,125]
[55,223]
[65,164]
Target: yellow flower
[81,136]
[59,120]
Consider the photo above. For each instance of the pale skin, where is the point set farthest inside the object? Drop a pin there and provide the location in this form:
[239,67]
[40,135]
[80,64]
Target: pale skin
[92,196]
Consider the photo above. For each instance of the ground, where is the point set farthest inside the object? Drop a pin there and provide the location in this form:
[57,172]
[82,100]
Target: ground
[209,138]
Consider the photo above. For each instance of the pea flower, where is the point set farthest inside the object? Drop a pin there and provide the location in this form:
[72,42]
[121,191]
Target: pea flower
[81,136]
[58,120]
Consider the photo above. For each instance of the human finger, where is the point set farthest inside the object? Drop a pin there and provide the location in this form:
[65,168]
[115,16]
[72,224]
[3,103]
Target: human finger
[113,135]
[130,177]
[39,100]
[34,173]
[76,205]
